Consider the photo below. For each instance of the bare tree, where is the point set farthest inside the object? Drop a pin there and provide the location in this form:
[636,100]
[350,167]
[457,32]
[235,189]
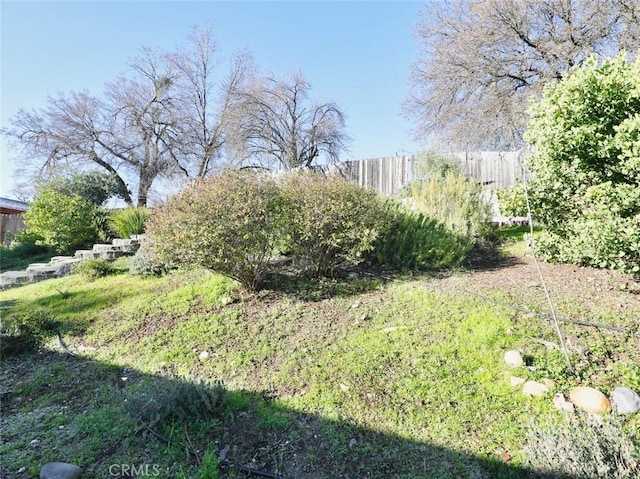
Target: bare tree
[166,117]
[277,126]
[130,132]
[206,99]
[482,60]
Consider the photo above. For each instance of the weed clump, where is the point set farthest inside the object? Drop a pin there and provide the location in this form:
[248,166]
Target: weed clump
[144,263]
[93,269]
[166,400]
[583,446]
[25,332]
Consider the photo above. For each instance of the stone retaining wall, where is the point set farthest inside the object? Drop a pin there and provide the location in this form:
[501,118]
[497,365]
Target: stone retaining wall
[62,265]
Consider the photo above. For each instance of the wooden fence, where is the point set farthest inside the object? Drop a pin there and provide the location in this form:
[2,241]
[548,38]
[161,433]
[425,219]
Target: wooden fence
[389,175]
[10,224]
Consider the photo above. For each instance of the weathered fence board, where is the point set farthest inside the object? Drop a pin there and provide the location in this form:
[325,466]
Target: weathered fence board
[10,224]
[389,175]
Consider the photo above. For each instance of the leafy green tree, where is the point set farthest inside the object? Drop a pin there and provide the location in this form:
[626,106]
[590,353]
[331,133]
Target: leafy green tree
[63,222]
[585,133]
[94,186]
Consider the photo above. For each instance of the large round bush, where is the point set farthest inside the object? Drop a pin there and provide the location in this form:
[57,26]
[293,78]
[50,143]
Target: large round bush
[229,224]
[332,222]
[586,164]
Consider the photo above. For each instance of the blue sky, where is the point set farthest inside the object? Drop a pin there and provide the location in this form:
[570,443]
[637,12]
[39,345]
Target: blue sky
[357,54]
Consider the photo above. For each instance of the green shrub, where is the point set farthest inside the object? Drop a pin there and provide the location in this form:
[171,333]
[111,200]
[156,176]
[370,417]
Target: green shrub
[144,263]
[63,222]
[129,221]
[93,268]
[22,251]
[455,201]
[95,187]
[331,223]
[512,201]
[25,332]
[583,446]
[411,240]
[585,189]
[172,399]
[230,224]
[432,164]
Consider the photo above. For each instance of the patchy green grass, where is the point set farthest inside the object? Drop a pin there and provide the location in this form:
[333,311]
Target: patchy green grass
[19,257]
[357,378]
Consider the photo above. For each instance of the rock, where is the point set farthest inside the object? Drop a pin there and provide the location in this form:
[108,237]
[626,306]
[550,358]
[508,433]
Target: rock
[559,402]
[226,300]
[534,388]
[513,359]
[60,470]
[625,401]
[516,381]
[549,383]
[589,399]
[203,355]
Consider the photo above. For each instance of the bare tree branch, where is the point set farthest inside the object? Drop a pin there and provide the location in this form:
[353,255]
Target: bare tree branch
[276,125]
[481,61]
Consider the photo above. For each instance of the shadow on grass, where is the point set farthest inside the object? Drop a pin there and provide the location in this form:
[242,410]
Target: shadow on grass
[342,285]
[57,407]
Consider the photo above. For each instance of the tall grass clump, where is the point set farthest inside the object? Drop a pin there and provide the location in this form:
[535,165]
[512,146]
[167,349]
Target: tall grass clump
[129,221]
[332,222]
[230,224]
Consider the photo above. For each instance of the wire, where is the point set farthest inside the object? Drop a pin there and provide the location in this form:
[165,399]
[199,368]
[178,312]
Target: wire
[556,323]
[576,322]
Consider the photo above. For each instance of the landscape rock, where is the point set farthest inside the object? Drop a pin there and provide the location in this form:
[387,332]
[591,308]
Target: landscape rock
[516,381]
[534,388]
[203,355]
[560,403]
[513,359]
[589,399]
[550,383]
[60,470]
[625,401]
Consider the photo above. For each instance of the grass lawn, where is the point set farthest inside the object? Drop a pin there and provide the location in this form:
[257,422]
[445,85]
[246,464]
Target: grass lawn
[368,377]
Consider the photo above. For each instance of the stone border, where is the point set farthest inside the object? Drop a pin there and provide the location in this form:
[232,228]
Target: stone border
[63,265]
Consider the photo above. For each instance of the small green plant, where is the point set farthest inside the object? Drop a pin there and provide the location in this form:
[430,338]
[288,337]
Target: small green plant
[583,446]
[93,268]
[172,399]
[144,263]
[432,164]
[63,222]
[129,221]
[24,332]
[512,201]
[331,223]
[455,201]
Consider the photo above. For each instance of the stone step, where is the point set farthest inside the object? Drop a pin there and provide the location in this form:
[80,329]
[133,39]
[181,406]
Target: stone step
[39,268]
[100,248]
[61,265]
[87,254]
[60,259]
[14,277]
[127,245]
